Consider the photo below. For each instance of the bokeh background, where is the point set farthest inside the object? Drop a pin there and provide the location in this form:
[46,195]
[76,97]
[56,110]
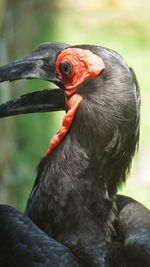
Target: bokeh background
[122,25]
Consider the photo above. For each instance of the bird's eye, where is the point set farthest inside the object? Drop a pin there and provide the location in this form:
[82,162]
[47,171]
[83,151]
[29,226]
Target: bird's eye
[65,67]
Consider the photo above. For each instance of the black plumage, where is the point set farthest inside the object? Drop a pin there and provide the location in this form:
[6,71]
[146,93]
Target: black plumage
[23,244]
[73,199]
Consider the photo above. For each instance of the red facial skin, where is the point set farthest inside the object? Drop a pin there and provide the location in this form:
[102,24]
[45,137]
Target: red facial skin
[83,64]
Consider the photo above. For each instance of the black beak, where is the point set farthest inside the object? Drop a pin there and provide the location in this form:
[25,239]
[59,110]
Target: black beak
[39,65]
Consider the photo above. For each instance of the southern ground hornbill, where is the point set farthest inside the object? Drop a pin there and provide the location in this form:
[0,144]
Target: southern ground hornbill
[73,216]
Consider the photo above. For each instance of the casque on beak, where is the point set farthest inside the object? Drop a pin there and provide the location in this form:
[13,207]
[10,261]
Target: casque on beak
[39,65]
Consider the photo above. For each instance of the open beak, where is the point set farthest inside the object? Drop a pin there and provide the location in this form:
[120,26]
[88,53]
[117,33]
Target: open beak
[39,65]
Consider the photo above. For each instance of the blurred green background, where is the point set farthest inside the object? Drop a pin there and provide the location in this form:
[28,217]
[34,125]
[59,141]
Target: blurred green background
[122,25]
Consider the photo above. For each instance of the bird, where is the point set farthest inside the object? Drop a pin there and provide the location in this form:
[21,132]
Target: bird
[74,216]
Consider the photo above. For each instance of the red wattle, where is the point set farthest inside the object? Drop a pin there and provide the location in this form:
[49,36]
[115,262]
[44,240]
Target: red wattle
[73,103]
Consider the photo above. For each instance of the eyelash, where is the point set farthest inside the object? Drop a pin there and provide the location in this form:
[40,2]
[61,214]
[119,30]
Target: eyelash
[65,67]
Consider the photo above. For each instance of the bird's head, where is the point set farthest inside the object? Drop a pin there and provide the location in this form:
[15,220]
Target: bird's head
[99,93]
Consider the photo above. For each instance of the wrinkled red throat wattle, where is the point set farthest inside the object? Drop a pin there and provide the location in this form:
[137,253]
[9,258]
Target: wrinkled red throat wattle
[72,104]
[73,67]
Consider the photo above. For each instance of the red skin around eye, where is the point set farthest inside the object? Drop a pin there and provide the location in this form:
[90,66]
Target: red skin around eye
[85,65]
